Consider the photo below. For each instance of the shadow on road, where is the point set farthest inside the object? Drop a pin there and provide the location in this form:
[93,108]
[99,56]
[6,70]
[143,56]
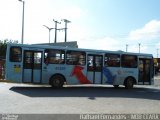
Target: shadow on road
[90,92]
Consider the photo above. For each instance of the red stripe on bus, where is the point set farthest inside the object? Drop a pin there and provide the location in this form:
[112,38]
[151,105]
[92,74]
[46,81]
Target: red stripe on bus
[77,71]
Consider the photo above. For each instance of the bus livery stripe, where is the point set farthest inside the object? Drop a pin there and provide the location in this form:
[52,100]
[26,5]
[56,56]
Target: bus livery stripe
[108,75]
[77,71]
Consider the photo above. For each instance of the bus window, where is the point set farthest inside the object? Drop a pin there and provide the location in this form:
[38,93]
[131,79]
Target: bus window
[129,61]
[28,60]
[98,63]
[53,56]
[37,60]
[76,58]
[112,60]
[95,63]
[90,63]
[15,54]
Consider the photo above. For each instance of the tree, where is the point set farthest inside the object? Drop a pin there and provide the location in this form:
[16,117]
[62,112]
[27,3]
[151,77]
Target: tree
[3,47]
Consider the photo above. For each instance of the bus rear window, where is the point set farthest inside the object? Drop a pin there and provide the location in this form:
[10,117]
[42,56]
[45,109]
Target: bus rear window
[129,61]
[15,54]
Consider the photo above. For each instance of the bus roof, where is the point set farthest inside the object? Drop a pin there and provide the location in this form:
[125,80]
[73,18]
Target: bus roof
[76,49]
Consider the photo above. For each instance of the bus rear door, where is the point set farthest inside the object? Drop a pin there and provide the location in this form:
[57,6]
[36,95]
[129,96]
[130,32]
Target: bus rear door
[145,71]
[32,66]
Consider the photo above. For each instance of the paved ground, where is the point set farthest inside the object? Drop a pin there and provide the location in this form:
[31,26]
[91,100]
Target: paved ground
[22,98]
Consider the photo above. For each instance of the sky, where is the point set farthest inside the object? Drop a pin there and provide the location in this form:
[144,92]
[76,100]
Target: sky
[95,24]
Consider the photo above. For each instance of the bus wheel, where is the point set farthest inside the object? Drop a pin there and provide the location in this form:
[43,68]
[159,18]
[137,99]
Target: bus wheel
[116,86]
[57,81]
[129,83]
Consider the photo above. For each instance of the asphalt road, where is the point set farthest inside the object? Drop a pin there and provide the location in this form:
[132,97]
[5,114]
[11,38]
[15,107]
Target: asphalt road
[37,99]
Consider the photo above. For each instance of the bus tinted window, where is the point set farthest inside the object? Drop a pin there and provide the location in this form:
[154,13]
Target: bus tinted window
[129,61]
[53,56]
[28,60]
[112,60]
[95,63]
[76,58]
[15,54]
[37,60]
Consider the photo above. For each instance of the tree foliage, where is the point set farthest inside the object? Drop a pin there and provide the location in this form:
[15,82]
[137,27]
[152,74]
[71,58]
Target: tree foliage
[3,46]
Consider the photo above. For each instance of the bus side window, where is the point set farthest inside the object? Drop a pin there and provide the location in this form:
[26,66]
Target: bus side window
[90,63]
[129,61]
[76,58]
[98,63]
[112,60]
[53,56]
[15,54]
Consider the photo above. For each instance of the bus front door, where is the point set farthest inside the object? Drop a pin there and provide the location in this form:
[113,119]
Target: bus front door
[32,66]
[94,68]
[145,66]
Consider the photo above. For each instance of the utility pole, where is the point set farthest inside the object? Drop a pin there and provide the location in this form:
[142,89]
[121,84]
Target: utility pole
[55,39]
[139,47]
[49,31]
[22,39]
[126,47]
[66,22]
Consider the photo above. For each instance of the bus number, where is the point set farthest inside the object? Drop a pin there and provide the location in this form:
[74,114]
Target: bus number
[60,68]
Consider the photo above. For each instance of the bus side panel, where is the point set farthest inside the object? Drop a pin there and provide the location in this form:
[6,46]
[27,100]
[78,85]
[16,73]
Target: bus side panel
[51,69]
[111,75]
[117,75]
[129,72]
[46,73]
[14,72]
[76,74]
[13,69]
[48,70]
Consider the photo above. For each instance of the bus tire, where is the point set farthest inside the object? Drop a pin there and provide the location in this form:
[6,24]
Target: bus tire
[129,82]
[57,81]
[116,86]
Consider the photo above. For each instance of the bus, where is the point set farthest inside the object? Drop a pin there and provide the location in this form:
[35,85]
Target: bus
[57,66]
[157,65]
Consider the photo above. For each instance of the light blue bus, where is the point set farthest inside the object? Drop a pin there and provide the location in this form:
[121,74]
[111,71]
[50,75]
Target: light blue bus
[56,66]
